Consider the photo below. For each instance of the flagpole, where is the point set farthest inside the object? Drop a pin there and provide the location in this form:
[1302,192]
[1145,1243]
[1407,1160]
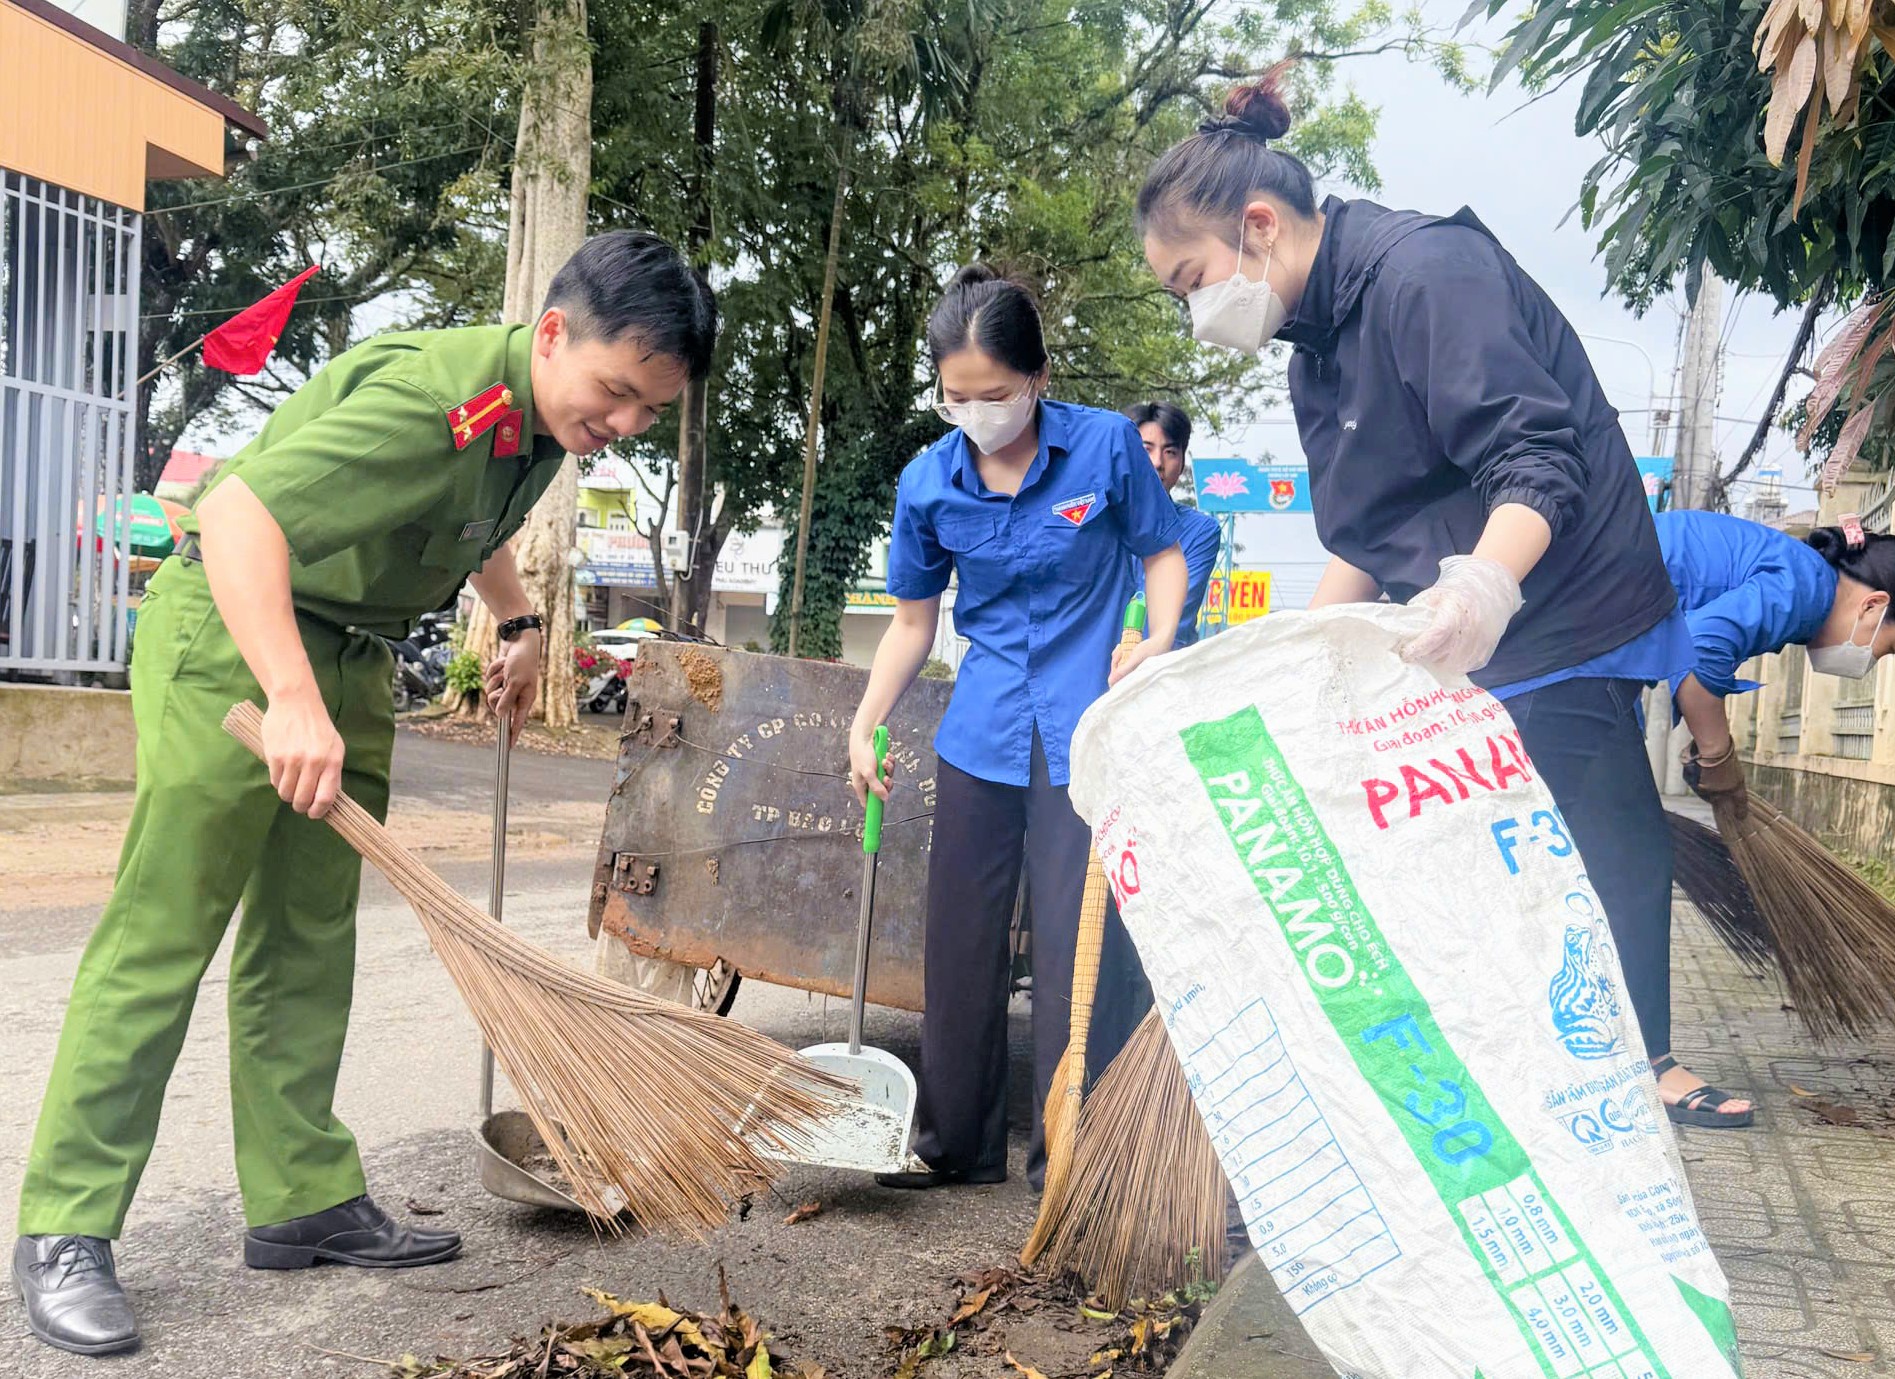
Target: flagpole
[164,364]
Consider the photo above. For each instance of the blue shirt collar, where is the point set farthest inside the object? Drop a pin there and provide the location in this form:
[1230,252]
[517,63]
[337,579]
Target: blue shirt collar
[1052,420]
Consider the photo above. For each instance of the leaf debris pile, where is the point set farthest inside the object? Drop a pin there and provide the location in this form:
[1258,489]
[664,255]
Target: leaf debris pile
[633,1340]
[1143,1338]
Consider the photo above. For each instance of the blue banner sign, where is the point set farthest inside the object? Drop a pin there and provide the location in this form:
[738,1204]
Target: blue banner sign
[1246,486]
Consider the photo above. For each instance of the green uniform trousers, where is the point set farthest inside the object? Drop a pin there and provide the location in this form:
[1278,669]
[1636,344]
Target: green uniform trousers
[206,831]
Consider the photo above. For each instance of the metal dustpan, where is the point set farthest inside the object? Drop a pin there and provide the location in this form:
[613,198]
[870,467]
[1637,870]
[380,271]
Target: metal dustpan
[507,1141]
[871,1133]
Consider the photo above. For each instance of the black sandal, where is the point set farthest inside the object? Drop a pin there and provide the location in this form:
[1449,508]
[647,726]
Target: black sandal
[1691,1108]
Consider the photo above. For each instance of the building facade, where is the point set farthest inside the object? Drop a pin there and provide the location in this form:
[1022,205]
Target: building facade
[85,122]
[1823,748]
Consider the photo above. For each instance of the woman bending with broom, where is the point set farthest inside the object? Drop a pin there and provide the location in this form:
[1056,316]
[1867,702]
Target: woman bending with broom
[1462,456]
[1033,506]
[1748,590]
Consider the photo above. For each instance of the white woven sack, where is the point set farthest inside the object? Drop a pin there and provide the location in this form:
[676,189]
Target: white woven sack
[1400,1010]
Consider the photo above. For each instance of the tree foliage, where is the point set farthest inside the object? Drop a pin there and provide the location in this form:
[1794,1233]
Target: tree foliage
[1014,131]
[390,132]
[1011,130]
[1697,172]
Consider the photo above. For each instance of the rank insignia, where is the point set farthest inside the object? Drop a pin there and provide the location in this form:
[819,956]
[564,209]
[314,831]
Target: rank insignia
[478,415]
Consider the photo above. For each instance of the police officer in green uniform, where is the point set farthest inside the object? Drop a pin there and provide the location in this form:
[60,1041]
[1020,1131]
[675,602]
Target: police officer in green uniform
[393,476]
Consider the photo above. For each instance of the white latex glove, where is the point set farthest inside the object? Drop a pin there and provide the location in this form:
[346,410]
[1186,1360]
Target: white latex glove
[1469,608]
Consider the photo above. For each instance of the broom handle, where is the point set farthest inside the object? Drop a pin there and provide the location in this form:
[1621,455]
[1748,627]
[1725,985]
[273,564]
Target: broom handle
[1092,904]
[496,896]
[356,825]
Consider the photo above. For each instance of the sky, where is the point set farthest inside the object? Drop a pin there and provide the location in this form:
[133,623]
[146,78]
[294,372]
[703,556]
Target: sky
[1519,165]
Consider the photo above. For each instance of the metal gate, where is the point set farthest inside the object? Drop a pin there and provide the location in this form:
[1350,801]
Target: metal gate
[69,268]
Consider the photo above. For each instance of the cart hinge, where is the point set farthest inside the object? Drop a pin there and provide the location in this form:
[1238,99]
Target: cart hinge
[650,727]
[633,873]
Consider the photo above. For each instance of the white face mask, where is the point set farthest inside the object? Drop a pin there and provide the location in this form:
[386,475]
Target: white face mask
[990,426]
[1849,660]
[1237,313]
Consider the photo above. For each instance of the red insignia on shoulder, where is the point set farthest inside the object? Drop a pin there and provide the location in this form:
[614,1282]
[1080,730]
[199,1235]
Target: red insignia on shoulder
[506,436]
[478,415]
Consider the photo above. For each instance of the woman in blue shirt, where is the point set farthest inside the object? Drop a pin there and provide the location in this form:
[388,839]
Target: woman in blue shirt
[1747,590]
[1031,506]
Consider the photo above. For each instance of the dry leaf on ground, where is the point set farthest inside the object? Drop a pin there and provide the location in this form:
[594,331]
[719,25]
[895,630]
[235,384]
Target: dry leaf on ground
[1019,1368]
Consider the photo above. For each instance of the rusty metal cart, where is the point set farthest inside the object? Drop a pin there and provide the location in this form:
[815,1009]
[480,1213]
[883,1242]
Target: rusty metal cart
[732,841]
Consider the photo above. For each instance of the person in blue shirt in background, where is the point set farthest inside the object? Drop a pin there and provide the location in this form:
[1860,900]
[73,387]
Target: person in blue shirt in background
[1748,590]
[1033,506]
[1166,431]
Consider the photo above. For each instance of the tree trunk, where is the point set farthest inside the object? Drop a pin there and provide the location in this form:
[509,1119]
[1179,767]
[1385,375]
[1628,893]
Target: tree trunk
[691,597]
[824,312]
[552,167]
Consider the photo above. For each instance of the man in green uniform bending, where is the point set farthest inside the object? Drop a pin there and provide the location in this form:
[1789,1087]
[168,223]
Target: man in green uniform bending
[394,475]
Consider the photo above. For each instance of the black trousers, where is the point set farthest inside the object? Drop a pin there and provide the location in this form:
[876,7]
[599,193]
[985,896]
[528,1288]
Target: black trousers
[1585,738]
[983,834]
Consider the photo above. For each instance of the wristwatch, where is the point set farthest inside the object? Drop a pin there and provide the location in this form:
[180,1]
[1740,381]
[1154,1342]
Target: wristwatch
[513,627]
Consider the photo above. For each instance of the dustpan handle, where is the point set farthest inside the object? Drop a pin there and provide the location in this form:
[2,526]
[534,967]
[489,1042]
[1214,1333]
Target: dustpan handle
[871,848]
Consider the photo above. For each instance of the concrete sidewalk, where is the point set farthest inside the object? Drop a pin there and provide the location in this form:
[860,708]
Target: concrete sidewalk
[1800,1210]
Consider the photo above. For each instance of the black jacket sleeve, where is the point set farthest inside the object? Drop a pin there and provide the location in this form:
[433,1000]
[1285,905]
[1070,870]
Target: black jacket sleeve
[1465,351]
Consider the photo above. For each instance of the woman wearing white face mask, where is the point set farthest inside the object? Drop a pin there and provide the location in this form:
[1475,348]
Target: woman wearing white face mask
[1748,590]
[1033,507]
[1464,459]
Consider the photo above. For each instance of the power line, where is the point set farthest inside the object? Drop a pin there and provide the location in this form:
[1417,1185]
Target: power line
[233,310]
[261,192]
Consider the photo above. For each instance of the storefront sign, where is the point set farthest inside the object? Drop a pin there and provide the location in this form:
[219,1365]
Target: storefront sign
[1246,596]
[616,557]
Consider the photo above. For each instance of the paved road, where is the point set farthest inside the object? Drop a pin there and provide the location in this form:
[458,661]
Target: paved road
[408,1090]
[459,776]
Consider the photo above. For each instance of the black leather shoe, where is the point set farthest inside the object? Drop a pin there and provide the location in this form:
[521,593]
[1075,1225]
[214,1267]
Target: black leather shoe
[73,1300]
[941,1177]
[357,1232]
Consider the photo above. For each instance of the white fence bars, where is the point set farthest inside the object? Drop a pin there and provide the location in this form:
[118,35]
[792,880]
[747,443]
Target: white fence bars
[68,350]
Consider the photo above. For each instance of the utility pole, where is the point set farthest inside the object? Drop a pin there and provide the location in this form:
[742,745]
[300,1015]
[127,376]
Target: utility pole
[1695,465]
[1698,371]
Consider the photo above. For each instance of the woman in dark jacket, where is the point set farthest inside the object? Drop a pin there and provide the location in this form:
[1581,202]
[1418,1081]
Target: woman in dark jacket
[1462,458]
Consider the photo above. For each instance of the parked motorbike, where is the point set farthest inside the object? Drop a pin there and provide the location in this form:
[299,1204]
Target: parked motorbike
[601,689]
[421,661]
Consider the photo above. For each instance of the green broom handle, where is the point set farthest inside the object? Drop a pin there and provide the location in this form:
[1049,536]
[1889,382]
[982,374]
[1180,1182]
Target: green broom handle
[872,810]
[1135,614]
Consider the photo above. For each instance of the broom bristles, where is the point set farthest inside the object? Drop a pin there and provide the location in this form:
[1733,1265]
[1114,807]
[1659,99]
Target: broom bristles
[1060,1125]
[637,1098]
[1834,933]
[1147,1203]
[1706,872]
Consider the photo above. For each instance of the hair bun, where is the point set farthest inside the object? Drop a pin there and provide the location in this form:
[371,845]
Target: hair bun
[1829,543]
[973,275]
[1257,107]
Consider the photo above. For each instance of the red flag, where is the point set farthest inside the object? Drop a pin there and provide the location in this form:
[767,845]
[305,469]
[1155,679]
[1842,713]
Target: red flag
[242,344]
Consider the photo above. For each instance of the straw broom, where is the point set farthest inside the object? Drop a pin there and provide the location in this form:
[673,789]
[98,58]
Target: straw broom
[1834,933]
[634,1096]
[1060,1117]
[1147,1205]
[1705,871]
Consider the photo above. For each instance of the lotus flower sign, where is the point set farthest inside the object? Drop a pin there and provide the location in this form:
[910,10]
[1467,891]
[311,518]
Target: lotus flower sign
[1246,486]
